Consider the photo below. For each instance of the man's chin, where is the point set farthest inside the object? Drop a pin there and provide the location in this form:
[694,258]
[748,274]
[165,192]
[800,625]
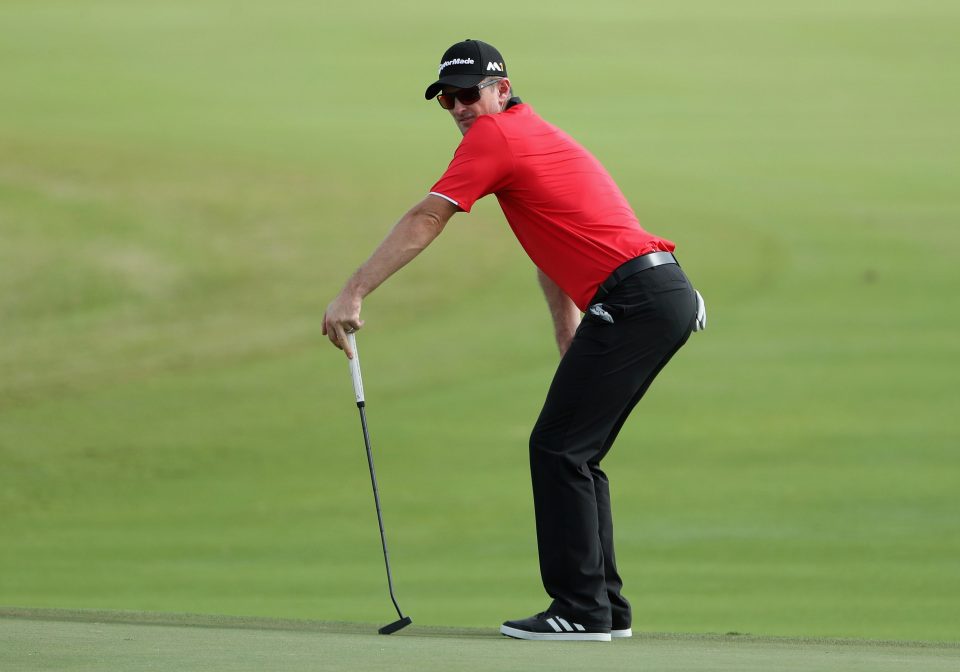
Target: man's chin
[464,126]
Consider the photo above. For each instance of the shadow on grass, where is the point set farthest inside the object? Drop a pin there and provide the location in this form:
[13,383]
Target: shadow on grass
[346,628]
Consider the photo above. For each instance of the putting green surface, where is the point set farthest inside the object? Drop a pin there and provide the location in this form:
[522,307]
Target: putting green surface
[78,641]
[185,184]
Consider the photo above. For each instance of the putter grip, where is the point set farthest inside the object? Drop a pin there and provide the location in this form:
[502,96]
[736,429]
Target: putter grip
[355,369]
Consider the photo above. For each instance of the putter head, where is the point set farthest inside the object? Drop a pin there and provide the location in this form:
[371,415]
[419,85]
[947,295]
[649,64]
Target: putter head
[391,628]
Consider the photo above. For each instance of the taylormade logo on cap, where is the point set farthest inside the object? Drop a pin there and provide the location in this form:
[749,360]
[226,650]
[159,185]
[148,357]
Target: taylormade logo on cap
[456,61]
[495,66]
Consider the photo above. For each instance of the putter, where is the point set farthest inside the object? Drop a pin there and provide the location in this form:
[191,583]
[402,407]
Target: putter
[403,621]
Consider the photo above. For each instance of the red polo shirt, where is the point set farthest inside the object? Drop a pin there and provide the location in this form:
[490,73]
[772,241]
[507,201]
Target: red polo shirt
[562,205]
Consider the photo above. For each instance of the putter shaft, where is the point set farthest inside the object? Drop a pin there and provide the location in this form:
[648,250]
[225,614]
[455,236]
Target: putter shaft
[376,499]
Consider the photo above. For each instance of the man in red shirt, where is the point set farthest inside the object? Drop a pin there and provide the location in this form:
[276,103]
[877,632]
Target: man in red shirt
[592,256]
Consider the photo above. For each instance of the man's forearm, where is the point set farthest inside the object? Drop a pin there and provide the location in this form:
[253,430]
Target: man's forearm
[565,314]
[408,238]
[415,230]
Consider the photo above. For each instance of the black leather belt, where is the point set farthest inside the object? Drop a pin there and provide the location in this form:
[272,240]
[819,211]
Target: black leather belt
[632,267]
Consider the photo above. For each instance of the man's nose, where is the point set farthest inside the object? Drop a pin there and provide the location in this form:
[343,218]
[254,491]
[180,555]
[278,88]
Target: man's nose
[459,107]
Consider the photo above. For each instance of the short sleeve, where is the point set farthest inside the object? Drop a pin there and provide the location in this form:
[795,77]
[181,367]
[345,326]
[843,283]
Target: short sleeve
[481,165]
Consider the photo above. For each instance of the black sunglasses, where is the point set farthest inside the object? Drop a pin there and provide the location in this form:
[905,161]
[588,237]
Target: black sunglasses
[466,96]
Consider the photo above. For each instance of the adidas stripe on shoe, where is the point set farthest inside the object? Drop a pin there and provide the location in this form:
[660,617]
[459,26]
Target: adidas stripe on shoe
[547,627]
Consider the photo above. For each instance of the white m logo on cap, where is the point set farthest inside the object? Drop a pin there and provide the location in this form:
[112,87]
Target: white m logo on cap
[494,66]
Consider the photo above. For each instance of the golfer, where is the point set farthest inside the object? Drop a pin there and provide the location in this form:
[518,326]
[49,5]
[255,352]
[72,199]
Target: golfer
[592,257]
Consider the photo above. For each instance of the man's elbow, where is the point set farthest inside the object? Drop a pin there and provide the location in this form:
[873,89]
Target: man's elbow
[434,213]
[431,220]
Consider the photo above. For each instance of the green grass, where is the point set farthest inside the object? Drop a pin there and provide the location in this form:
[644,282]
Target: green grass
[65,640]
[184,186]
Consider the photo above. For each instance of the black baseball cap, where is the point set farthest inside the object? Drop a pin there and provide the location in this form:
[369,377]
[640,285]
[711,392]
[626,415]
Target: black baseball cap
[466,64]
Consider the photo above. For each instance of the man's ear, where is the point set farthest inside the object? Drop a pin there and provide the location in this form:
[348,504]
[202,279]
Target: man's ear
[503,91]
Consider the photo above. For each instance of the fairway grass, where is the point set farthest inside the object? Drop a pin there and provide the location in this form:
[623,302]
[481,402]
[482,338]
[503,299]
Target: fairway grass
[78,641]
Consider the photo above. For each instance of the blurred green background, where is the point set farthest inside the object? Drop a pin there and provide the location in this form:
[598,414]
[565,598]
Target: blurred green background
[185,185]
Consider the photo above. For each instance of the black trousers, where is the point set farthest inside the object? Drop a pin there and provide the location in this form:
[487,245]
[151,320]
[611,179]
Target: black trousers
[605,372]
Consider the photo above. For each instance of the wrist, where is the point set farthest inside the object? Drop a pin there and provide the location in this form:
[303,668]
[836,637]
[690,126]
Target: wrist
[564,334]
[355,289]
